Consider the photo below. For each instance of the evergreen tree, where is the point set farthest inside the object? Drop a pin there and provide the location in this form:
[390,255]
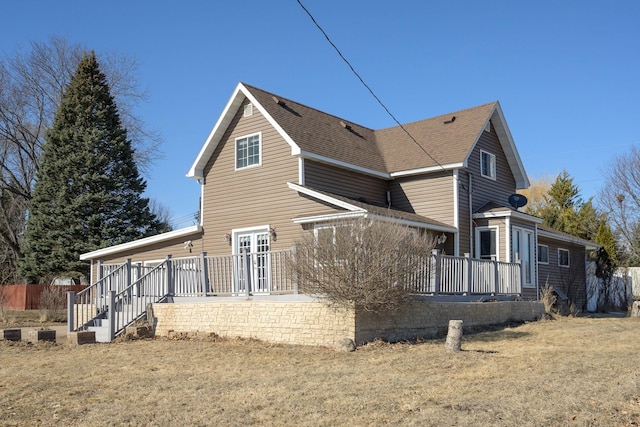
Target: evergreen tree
[88,192]
[564,210]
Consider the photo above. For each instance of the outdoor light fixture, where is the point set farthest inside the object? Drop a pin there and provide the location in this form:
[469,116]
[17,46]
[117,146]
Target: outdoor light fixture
[441,239]
[227,238]
[188,245]
[273,234]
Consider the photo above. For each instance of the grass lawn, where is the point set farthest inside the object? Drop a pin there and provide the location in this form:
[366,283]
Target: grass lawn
[570,371]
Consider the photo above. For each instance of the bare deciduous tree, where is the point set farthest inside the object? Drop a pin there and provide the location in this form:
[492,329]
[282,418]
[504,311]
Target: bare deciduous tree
[364,264]
[31,85]
[620,197]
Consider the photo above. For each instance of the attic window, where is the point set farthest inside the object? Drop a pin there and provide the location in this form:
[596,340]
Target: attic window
[487,128]
[248,110]
[487,165]
[248,152]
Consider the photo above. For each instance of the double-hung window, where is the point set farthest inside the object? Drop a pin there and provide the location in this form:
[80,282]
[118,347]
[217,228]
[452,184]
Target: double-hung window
[543,254]
[487,243]
[563,257]
[248,151]
[487,164]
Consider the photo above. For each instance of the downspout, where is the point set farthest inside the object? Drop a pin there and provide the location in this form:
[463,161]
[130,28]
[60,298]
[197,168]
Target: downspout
[535,258]
[456,212]
[470,191]
[300,171]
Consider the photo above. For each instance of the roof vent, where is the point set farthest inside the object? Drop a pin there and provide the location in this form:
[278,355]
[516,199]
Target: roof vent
[345,125]
[451,120]
[278,100]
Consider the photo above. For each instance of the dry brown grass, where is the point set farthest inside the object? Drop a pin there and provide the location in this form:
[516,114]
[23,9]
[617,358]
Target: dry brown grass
[570,371]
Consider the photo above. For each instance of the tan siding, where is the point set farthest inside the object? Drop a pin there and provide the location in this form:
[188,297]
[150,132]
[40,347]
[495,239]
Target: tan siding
[174,247]
[429,195]
[343,182]
[485,189]
[254,196]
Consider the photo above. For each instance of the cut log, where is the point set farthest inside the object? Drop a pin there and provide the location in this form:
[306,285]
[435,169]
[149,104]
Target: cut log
[454,336]
[635,309]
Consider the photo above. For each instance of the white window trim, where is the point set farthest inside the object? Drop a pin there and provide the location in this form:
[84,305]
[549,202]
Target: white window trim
[493,165]
[568,258]
[477,236]
[236,231]
[537,255]
[235,151]
[532,253]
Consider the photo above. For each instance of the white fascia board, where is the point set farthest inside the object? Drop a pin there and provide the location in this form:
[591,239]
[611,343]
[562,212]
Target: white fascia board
[325,198]
[509,213]
[141,242]
[197,169]
[345,165]
[510,150]
[416,224]
[566,238]
[328,217]
[365,214]
[408,172]
[239,94]
[295,150]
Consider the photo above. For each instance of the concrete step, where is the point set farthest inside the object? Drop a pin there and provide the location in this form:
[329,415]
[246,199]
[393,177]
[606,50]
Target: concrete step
[102,333]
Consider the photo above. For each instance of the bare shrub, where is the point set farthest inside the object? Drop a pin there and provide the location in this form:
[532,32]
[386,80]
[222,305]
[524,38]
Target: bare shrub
[364,264]
[53,302]
[548,298]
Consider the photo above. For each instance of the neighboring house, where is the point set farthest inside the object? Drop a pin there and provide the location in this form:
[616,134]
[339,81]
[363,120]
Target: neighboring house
[272,169]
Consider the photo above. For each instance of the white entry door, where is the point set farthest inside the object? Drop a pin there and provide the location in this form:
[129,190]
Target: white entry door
[252,258]
[523,252]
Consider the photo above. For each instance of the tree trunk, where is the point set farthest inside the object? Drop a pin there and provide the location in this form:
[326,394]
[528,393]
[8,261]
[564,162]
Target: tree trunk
[454,336]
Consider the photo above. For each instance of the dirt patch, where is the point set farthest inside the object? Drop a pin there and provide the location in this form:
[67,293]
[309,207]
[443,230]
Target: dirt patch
[577,371]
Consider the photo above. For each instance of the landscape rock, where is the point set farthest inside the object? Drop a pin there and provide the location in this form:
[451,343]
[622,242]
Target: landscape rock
[345,344]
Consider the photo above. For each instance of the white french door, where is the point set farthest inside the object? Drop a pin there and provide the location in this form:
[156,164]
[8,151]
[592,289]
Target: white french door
[251,248]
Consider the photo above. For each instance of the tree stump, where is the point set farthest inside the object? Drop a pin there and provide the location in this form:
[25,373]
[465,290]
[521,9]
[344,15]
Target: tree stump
[454,336]
[635,309]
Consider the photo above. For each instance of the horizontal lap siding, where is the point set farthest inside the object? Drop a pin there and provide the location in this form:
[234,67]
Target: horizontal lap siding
[254,196]
[464,216]
[174,247]
[572,280]
[427,195]
[344,182]
[485,189]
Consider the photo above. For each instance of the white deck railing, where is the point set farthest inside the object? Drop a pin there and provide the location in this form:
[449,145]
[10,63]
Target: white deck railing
[130,288]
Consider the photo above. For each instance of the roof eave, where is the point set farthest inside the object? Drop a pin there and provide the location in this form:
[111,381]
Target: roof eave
[568,238]
[183,232]
[239,94]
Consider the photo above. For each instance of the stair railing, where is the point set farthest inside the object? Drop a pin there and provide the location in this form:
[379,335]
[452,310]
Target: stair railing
[132,302]
[84,307]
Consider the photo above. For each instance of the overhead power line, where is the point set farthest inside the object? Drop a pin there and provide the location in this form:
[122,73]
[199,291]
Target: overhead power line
[353,70]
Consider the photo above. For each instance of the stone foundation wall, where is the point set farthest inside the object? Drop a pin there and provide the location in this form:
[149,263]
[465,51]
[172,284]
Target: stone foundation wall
[313,323]
[429,319]
[306,323]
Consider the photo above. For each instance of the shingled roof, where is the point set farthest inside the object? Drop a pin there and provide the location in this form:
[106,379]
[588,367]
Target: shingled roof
[442,142]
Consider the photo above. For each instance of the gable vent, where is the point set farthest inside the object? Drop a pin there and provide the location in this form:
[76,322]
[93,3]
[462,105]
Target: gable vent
[248,110]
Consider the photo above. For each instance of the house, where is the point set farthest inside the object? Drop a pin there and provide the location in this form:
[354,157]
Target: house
[272,169]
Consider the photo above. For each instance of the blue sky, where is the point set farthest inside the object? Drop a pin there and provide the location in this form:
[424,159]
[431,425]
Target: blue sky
[567,73]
